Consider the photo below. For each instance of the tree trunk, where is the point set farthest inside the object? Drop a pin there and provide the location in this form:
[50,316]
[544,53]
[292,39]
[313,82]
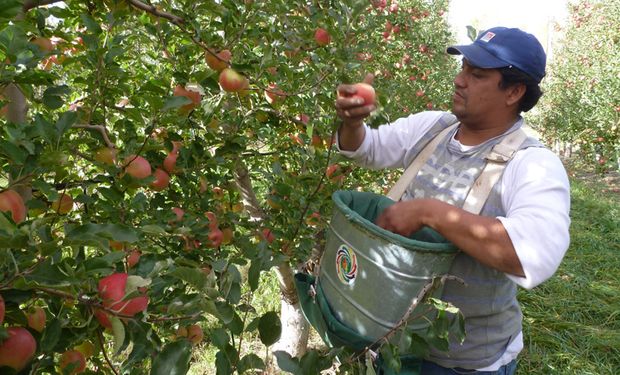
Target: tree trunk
[295,330]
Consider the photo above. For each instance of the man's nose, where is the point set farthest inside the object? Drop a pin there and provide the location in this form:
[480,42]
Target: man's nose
[459,81]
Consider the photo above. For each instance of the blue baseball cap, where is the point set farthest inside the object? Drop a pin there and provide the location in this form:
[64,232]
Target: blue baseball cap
[501,47]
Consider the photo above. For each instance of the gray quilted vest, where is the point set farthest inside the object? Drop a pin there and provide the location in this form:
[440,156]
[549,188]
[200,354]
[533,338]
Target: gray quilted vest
[488,300]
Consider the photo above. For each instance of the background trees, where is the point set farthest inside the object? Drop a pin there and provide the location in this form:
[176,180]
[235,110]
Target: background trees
[581,105]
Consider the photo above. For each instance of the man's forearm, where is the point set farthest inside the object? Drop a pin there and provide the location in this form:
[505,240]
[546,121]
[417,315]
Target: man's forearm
[484,238]
[350,138]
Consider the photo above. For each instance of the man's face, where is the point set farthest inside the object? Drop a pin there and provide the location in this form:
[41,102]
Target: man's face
[478,98]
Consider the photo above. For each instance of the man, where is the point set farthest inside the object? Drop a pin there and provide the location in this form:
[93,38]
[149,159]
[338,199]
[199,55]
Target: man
[521,233]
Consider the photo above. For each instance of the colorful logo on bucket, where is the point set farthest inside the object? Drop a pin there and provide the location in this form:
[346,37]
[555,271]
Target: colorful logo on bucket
[346,264]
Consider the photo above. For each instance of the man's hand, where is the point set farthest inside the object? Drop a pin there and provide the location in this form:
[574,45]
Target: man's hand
[352,110]
[405,217]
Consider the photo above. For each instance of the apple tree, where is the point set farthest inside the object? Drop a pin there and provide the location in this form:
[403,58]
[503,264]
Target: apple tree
[581,105]
[159,157]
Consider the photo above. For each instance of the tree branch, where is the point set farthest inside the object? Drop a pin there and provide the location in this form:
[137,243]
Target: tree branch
[156,12]
[30,4]
[101,129]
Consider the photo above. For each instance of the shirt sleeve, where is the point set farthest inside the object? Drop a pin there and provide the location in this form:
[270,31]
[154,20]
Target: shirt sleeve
[389,144]
[536,198]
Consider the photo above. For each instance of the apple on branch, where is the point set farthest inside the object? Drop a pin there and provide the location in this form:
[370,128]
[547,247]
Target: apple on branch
[18,349]
[72,362]
[192,95]
[137,167]
[219,61]
[231,81]
[322,37]
[11,201]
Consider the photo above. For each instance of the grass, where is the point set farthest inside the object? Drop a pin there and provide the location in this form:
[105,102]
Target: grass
[572,321]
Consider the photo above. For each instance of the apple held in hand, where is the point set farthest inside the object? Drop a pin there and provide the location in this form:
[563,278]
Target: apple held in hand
[366,92]
[18,349]
[11,201]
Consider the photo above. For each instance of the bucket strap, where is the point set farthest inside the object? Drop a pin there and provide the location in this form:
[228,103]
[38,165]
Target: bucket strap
[497,159]
[399,188]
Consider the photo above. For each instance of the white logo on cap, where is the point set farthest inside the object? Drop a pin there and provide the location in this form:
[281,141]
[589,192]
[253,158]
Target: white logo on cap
[487,37]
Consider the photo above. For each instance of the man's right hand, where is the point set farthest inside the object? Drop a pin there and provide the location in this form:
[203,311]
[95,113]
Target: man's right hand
[351,109]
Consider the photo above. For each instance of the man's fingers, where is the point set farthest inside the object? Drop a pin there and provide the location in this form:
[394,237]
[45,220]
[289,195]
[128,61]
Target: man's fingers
[369,78]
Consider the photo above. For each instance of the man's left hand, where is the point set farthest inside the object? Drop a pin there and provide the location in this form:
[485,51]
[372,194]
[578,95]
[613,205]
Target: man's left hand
[405,217]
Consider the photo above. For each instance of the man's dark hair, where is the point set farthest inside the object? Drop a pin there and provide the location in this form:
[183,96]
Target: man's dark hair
[513,76]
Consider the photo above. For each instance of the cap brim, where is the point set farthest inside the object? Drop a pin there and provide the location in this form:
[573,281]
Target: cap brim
[477,56]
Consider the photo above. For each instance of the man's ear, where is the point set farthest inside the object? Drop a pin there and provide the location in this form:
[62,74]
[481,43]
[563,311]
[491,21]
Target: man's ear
[514,93]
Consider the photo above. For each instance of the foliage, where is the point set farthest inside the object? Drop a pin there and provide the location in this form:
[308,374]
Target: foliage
[581,104]
[109,80]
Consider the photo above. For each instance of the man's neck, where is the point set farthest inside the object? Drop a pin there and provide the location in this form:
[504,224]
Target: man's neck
[472,136]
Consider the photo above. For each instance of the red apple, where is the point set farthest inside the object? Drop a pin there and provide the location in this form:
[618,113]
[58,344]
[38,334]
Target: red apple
[36,319]
[133,258]
[106,155]
[112,291]
[13,202]
[220,62]
[322,37]
[63,205]
[192,95]
[18,349]
[366,92]
[273,94]
[170,161]
[231,81]
[162,179]
[74,360]
[195,334]
[137,166]
[103,318]
[215,237]
[268,235]
[178,212]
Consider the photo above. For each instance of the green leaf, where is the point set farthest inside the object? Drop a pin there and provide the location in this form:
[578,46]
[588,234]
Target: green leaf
[90,23]
[118,331]
[52,97]
[193,276]
[10,8]
[153,229]
[48,274]
[173,359]
[249,362]
[370,366]
[472,33]
[175,102]
[219,337]
[287,363]
[65,121]
[51,335]
[269,328]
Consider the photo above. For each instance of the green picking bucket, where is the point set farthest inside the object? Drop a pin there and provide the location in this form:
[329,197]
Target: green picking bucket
[369,276]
